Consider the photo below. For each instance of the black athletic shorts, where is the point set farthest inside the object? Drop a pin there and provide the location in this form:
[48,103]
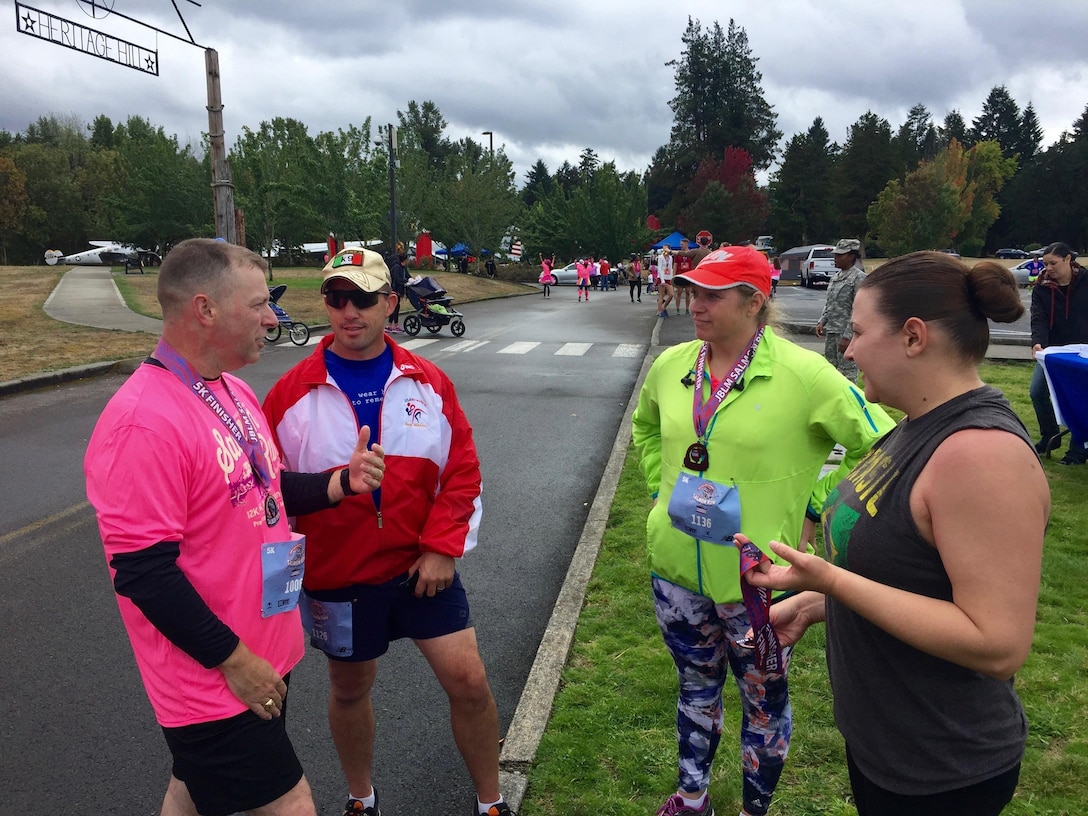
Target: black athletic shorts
[237,764]
[382,613]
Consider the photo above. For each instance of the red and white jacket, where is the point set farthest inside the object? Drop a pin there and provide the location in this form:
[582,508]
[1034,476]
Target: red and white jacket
[430,494]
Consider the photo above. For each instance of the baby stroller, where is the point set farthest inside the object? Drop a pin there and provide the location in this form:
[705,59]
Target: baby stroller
[298,332]
[432,308]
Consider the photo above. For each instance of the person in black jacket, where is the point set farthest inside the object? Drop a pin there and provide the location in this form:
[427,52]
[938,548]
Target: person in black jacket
[1059,316]
[399,276]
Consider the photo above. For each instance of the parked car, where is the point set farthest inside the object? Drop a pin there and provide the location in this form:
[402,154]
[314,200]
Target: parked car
[565,275]
[810,264]
[1024,274]
[951,252]
[1010,252]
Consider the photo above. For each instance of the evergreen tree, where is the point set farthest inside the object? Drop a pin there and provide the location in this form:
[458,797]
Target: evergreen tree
[801,195]
[999,121]
[867,163]
[538,184]
[1031,134]
[719,100]
[954,127]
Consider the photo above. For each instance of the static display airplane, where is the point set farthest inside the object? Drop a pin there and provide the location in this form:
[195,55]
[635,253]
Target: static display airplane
[104,253]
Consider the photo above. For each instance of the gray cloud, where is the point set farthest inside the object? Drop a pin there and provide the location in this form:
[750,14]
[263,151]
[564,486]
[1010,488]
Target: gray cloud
[551,78]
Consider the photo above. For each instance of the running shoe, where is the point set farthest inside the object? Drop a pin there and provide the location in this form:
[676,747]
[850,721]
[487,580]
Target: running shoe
[355,808]
[501,809]
[677,805]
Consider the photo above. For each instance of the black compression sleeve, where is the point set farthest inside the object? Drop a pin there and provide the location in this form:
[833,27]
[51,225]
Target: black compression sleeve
[152,580]
[305,492]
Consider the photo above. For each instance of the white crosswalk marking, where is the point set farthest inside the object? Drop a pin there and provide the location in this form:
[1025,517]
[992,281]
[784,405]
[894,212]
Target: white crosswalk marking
[627,350]
[523,347]
[417,343]
[466,345]
[573,349]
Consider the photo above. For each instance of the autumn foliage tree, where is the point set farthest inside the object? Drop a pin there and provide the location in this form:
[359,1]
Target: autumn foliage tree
[725,197]
[945,202]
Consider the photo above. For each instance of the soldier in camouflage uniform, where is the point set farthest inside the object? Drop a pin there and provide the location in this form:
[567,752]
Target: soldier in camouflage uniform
[834,325]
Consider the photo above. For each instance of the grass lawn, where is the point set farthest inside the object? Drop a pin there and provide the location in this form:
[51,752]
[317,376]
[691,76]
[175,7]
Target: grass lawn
[35,343]
[610,745]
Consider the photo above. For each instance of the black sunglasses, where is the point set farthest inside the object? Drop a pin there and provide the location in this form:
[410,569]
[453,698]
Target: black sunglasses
[339,298]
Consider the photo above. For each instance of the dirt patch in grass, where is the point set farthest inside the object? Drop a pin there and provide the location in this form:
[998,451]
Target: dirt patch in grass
[34,342]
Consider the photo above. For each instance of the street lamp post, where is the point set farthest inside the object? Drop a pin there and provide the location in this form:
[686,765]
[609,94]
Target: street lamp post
[490,141]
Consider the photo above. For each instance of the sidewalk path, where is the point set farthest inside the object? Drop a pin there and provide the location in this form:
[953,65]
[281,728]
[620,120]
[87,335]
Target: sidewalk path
[87,296]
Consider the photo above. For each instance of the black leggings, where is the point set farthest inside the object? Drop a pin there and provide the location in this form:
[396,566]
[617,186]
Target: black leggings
[987,798]
[636,285]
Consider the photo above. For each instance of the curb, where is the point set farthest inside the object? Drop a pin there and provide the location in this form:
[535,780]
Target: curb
[66,375]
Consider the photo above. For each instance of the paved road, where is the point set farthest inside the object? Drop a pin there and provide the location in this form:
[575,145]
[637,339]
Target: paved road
[544,384]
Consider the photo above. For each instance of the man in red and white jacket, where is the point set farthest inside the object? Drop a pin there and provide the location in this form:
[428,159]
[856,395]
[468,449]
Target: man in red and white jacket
[382,566]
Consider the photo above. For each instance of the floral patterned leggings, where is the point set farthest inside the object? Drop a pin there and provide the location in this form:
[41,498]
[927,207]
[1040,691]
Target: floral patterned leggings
[703,639]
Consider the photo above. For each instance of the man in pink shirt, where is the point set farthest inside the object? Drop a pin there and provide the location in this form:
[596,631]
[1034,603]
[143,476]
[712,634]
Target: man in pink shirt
[192,507]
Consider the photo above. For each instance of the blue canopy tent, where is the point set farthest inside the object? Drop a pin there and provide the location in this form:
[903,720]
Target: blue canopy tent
[671,241]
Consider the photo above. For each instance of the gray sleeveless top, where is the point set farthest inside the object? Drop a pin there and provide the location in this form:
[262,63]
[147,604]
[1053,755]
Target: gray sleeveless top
[915,724]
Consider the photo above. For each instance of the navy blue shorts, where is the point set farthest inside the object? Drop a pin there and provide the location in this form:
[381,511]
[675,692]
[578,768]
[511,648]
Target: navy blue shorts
[382,613]
[237,764]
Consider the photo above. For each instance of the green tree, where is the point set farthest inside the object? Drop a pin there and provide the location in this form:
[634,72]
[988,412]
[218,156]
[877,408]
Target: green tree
[274,169]
[921,212]
[538,184]
[165,193]
[987,173]
[916,139]
[13,203]
[800,191]
[719,100]
[478,202]
[954,127]
[999,121]
[606,215]
[867,163]
[1031,134]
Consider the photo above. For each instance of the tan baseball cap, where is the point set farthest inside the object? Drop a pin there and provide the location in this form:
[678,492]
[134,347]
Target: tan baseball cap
[363,268]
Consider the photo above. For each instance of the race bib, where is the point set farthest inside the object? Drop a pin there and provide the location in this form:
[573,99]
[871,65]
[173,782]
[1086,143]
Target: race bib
[705,509]
[328,623]
[282,565]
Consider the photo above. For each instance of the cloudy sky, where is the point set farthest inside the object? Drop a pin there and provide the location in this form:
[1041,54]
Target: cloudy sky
[548,77]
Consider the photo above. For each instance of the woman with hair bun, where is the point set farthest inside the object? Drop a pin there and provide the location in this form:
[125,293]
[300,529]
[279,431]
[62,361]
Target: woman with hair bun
[1059,316]
[934,548]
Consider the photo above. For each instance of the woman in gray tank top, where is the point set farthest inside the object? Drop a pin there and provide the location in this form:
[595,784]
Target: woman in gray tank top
[933,552]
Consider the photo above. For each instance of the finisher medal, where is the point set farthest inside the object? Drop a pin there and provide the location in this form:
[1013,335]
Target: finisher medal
[697,457]
[271,511]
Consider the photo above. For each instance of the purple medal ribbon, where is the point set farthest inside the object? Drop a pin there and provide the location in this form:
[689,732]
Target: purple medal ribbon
[249,441]
[757,603]
[702,414]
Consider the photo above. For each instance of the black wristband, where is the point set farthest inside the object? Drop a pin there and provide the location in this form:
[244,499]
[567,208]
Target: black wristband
[811,515]
[345,483]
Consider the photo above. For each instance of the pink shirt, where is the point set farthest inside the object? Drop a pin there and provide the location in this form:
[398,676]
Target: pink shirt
[160,466]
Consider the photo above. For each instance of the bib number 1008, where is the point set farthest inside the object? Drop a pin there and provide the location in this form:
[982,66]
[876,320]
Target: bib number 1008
[294,585]
[700,521]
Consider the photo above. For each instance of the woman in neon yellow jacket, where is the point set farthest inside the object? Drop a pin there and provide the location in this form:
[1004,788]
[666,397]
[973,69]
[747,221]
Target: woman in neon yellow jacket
[732,430]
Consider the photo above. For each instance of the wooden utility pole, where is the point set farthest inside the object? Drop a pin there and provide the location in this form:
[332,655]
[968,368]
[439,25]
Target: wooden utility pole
[222,186]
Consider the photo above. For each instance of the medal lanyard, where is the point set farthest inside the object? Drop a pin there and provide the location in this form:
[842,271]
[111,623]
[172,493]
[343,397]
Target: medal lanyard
[247,440]
[702,415]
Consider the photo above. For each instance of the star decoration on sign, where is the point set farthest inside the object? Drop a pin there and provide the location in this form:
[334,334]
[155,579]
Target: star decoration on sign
[150,61]
[28,24]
